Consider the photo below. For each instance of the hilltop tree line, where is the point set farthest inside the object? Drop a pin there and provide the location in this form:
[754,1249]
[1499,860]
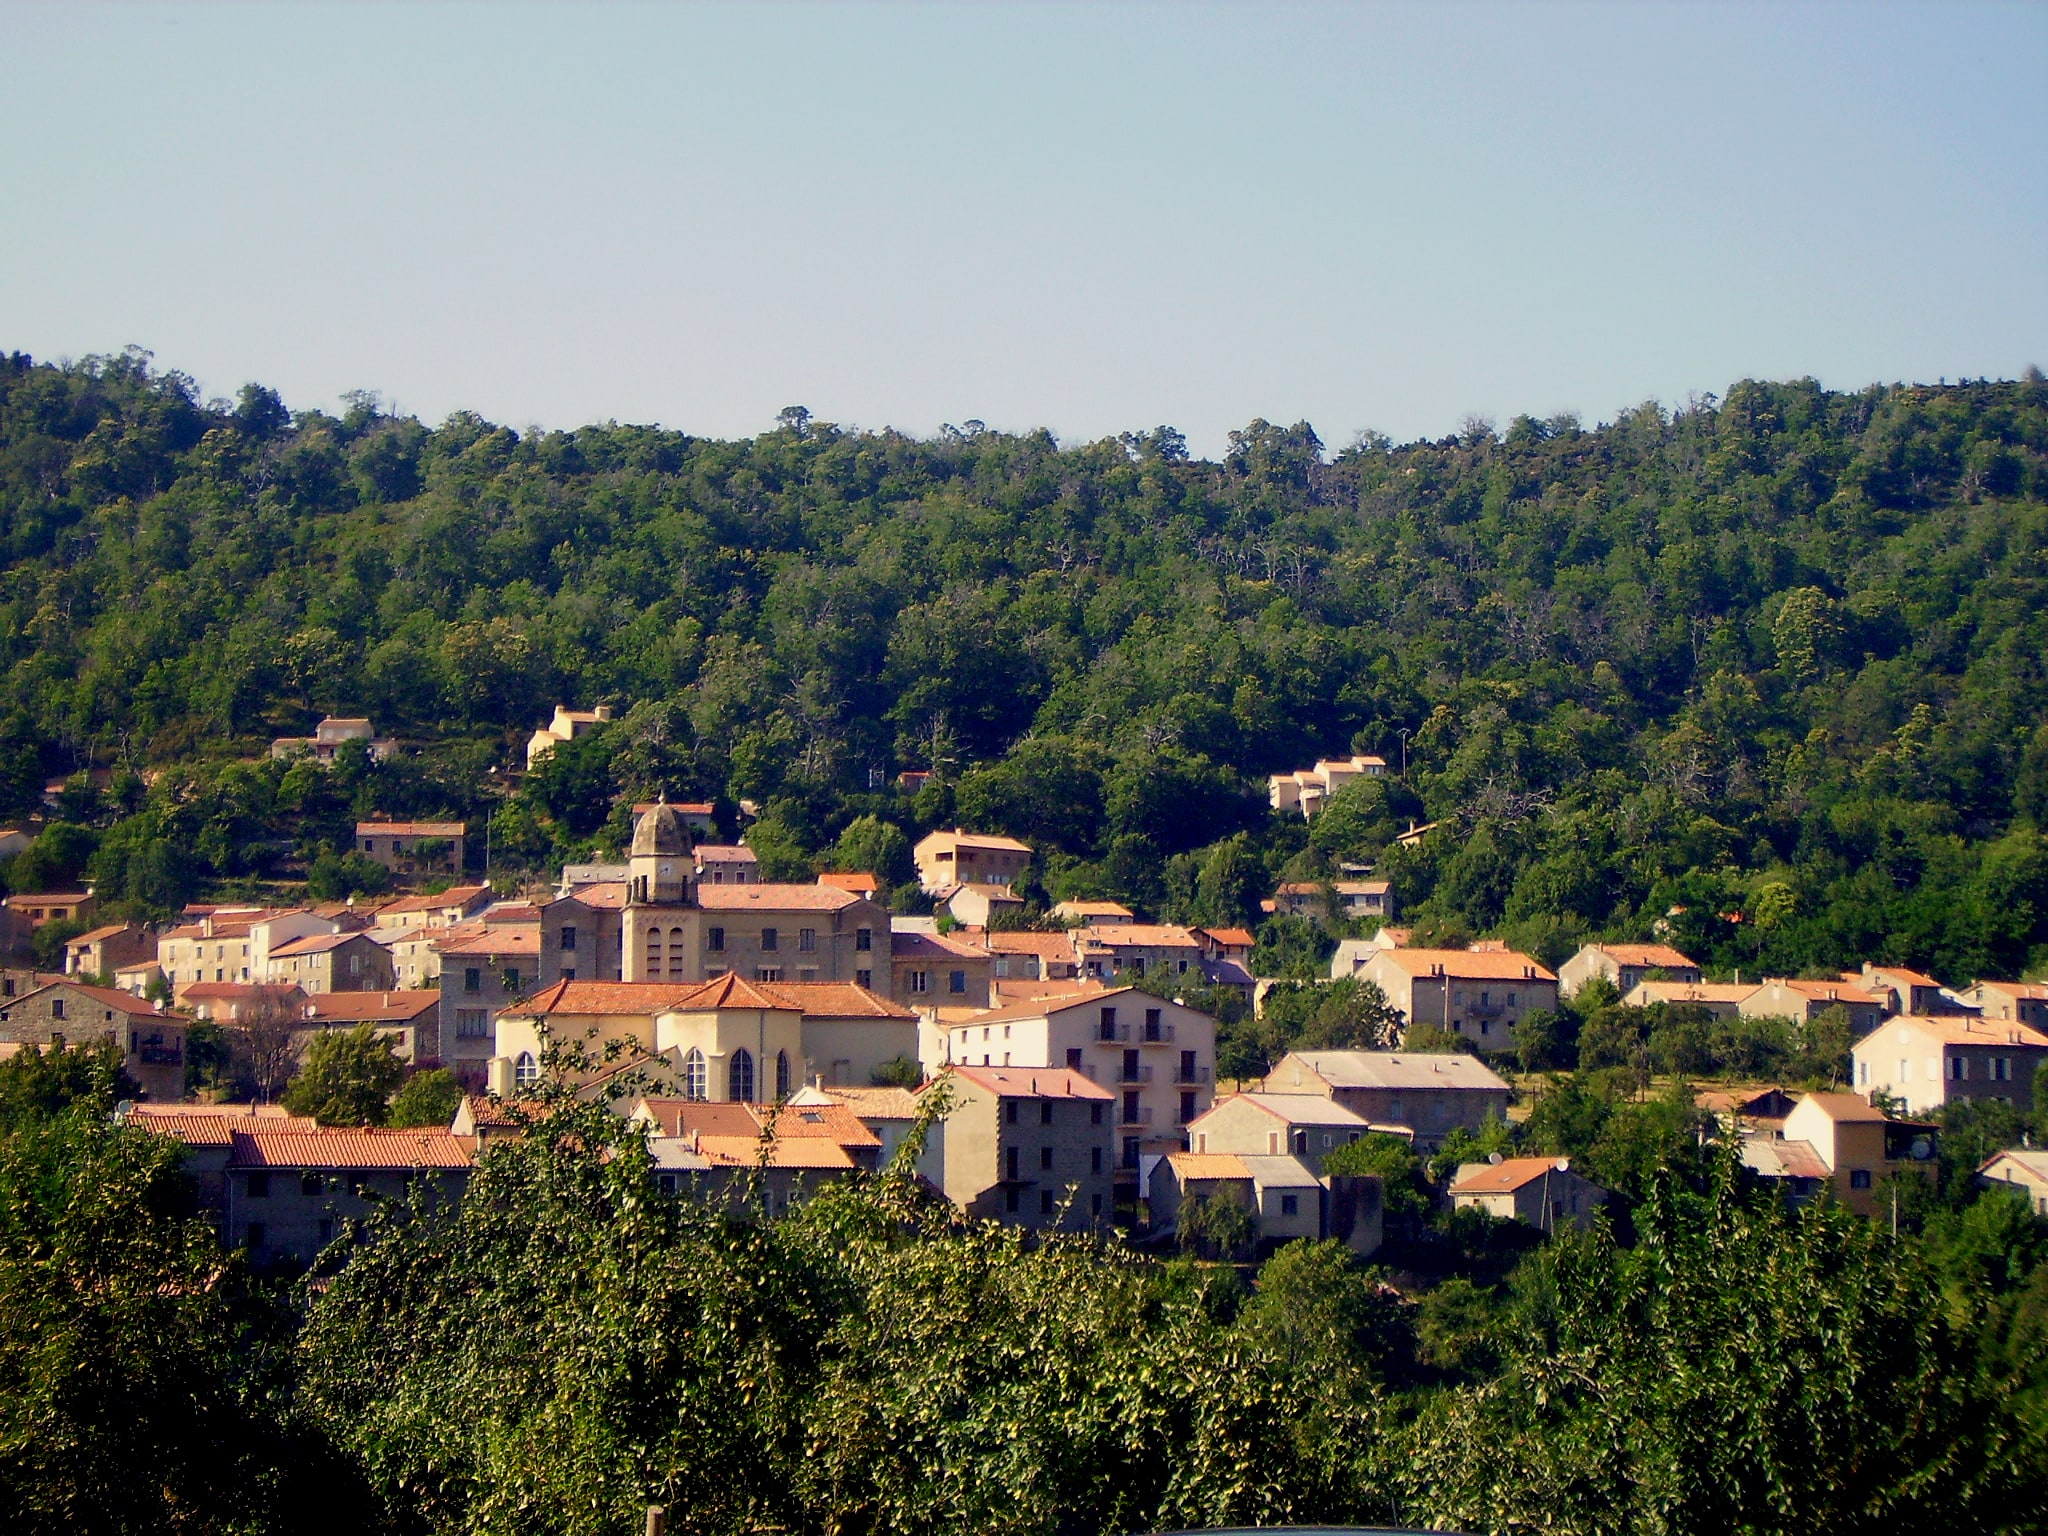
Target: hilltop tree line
[1767,670]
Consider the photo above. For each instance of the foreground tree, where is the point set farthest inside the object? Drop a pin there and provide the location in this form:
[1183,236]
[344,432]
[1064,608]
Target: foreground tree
[349,1078]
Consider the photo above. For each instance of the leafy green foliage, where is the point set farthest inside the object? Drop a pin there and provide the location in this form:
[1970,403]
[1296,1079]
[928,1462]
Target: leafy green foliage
[348,1079]
[428,1098]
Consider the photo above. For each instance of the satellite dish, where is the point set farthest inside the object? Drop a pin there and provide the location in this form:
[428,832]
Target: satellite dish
[1922,1149]
[123,1109]
[1564,1165]
[1493,1157]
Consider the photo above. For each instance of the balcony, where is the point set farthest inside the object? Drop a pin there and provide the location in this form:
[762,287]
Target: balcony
[1129,1073]
[160,1056]
[1113,1034]
[1135,1114]
[1156,1034]
[1191,1075]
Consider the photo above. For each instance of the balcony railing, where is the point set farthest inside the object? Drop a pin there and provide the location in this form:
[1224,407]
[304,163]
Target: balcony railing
[1132,1073]
[1191,1075]
[1157,1034]
[1114,1034]
[161,1056]
[1135,1114]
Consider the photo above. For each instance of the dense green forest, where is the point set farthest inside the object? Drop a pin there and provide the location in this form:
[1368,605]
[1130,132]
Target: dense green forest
[576,1345]
[1773,667]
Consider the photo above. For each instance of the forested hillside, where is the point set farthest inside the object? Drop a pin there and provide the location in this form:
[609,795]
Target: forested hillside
[1776,660]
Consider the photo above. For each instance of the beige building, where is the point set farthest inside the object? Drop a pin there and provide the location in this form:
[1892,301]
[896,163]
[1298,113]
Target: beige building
[721,1040]
[1020,955]
[443,909]
[928,970]
[1902,990]
[716,1152]
[413,847]
[1157,1057]
[1928,1062]
[726,864]
[104,950]
[1302,1125]
[1306,789]
[2020,1168]
[1803,1001]
[332,962]
[979,904]
[1625,965]
[66,1013]
[1142,949]
[1031,1146]
[1541,1192]
[1286,1200]
[1336,898]
[1723,1000]
[566,726]
[485,966]
[1092,914]
[232,944]
[330,736]
[411,1020]
[2023,1002]
[52,907]
[1840,1145]
[1425,1095]
[1478,994]
[946,859]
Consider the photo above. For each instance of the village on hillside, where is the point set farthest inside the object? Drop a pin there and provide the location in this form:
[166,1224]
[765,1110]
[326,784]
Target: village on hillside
[1059,1076]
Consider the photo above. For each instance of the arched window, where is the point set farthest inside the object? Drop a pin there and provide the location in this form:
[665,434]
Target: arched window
[525,1070]
[695,1083]
[675,955]
[739,1077]
[654,954]
[781,1075]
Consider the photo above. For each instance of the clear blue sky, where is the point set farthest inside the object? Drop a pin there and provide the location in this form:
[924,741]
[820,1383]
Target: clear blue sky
[1089,218]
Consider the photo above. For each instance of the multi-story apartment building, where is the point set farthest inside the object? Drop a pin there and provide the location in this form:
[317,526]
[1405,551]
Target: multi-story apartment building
[1157,1057]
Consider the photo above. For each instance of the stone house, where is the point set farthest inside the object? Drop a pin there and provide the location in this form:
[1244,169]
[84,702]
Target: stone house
[1423,1094]
[1624,965]
[1032,1146]
[1477,994]
[413,847]
[68,1013]
[1541,1192]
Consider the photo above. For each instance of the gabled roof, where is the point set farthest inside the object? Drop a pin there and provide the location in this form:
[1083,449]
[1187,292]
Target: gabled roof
[725,853]
[1402,1070]
[1018,941]
[1465,964]
[932,946]
[2032,1160]
[773,898]
[340,1148]
[1058,1002]
[603,997]
[1693,991]
[858,881]
[1233,938]
[868,1103]
[1138,936]
[1844,1106]
[486,940]
[960,839]
[106,997]
[1894,973]
[316,944]
[95,935]
[730,991]
[1192,1167]
[1292,1109]
[454,896]
[596,895]
[1507,1175]
[835,1123]
[1960,1029]
[1659,956]
[1824,991]
[213,1125]
[1032,1082]
[370,1007]
[448,829]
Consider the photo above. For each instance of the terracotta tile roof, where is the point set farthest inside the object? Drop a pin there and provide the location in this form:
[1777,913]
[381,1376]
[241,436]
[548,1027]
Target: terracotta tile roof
[449,829]
[1193,1166]
[868,1103]
[860,882]
[2032,990]
[745,1152]
[725,853]
[1777,1159]
[337,1147]
[1660,956]
[731,991]
[454,896]
[1844,1106]
[1895,973]
[2034,1162]
[1507,1175]
[1233,938]
[602,997]
[1096,909]
[485,942]
[97,934]
[333,1007]
[1466,965]
[835,1123]
[1058,1002]
[833,1000]
[1401,1070]
[1961,1029]
[1009,992]
[1825,991]
[1138,936]
[45,898]
[213,1125]
[960,839]
[315,944]
[1047,946]
[599,895]
[1032,1082]
[1692,991]
[283,993]
[773,898]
